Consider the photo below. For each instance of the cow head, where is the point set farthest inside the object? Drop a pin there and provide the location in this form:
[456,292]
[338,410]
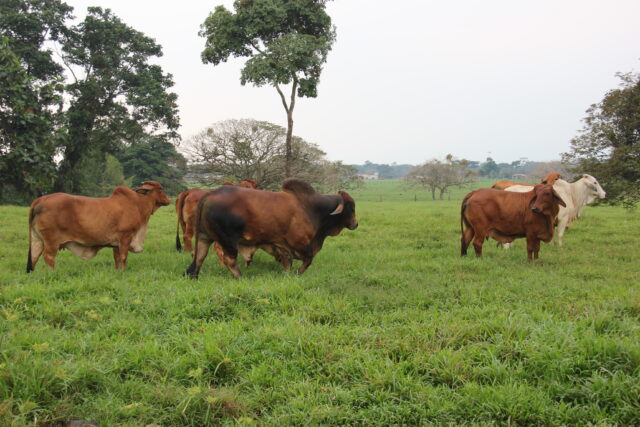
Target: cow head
[346,208]
[248,183]
[545,200]
[594,190]
[551,178]
[153,190]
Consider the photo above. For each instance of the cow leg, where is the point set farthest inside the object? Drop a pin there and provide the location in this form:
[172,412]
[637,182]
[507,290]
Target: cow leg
[477,244]
[305,264]
[202,249]
[232,264]
[560,228]
[116,257]
[50,252]
[533,247]
[219,253]
[188,236]
[123,252]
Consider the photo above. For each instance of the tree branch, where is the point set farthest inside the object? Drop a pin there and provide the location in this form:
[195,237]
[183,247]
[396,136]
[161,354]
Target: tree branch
[284,101]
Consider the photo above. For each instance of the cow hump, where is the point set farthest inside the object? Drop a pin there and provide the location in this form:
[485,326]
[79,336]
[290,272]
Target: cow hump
[298,187]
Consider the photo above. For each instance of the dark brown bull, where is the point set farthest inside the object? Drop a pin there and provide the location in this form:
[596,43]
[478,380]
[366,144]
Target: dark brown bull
[186,204]
[289,224]
[84,225]
[506,216]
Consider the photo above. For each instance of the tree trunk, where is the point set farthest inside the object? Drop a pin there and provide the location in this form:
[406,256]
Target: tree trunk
[288,159]
[433,193]
[442,190]
[288,151]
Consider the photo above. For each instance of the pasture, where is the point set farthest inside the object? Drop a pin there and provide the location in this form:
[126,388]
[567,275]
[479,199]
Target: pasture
[388,326]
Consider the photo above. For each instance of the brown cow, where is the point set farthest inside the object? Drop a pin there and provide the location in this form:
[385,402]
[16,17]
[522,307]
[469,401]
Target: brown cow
[551,178]
[288,224]
[501,215]
[84,225]
[501,185]
[186,204]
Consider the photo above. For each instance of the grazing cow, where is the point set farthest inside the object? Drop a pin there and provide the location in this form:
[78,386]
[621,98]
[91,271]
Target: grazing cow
[506,216]
[84,225]
[288,224]
[186,204]
[576,196]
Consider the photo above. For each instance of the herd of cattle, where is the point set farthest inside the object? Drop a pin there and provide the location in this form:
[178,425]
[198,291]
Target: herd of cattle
[288,224]
[511,210]
[240,219]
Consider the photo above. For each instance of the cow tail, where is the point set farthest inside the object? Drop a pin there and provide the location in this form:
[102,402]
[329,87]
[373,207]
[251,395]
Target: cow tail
[29,263]
[463,243]
[179,206]
[191,271]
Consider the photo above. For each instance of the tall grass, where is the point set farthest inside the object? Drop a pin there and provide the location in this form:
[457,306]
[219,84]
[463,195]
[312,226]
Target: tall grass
[388,326]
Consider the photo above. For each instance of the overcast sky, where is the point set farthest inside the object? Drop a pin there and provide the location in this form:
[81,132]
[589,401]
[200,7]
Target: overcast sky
[411,80]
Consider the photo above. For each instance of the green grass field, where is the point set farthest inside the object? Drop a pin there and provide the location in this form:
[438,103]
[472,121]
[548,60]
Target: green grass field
[388,326]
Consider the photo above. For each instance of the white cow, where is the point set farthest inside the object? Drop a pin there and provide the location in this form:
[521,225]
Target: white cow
[576,195]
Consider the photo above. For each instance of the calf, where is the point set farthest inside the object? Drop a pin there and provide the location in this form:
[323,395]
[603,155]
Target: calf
[506,216]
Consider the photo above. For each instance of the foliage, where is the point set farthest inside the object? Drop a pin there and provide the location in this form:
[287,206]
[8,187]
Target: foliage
[233,150]
[285,41]
[117,97]
[27,139]
[29,25]
[100,174]
[608,146]
[440,175]
[155,160]
[389,326]
[489,168]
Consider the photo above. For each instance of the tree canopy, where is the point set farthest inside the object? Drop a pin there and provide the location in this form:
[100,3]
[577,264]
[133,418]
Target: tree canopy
[233,150]
[608,146]
[285,41]
[56,129]
[440,175]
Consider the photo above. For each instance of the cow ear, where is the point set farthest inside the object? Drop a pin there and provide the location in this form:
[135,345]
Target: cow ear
[338,209]
[558,199]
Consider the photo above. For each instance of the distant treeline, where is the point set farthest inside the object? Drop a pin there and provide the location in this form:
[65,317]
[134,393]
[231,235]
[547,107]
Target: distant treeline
[489,168]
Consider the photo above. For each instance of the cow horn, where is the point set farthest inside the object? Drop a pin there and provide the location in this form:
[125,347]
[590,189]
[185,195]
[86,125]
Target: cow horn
[338,209]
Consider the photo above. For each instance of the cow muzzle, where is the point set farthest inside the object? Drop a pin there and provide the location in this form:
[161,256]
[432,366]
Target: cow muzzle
[353,225]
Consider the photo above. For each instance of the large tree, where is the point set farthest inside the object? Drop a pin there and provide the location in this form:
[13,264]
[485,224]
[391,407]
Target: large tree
[30,93]
[117,97]
[285,41]
[608,146]
[233,150]
[27,140]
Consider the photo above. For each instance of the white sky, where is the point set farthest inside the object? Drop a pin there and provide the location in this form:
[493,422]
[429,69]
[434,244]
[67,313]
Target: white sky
[410,80]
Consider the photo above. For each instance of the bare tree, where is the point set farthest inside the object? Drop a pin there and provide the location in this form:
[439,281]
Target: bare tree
[437,175]
[233,150]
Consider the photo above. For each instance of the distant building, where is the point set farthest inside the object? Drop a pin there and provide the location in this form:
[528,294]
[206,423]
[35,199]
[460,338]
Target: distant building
[367,176]
[518,176]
